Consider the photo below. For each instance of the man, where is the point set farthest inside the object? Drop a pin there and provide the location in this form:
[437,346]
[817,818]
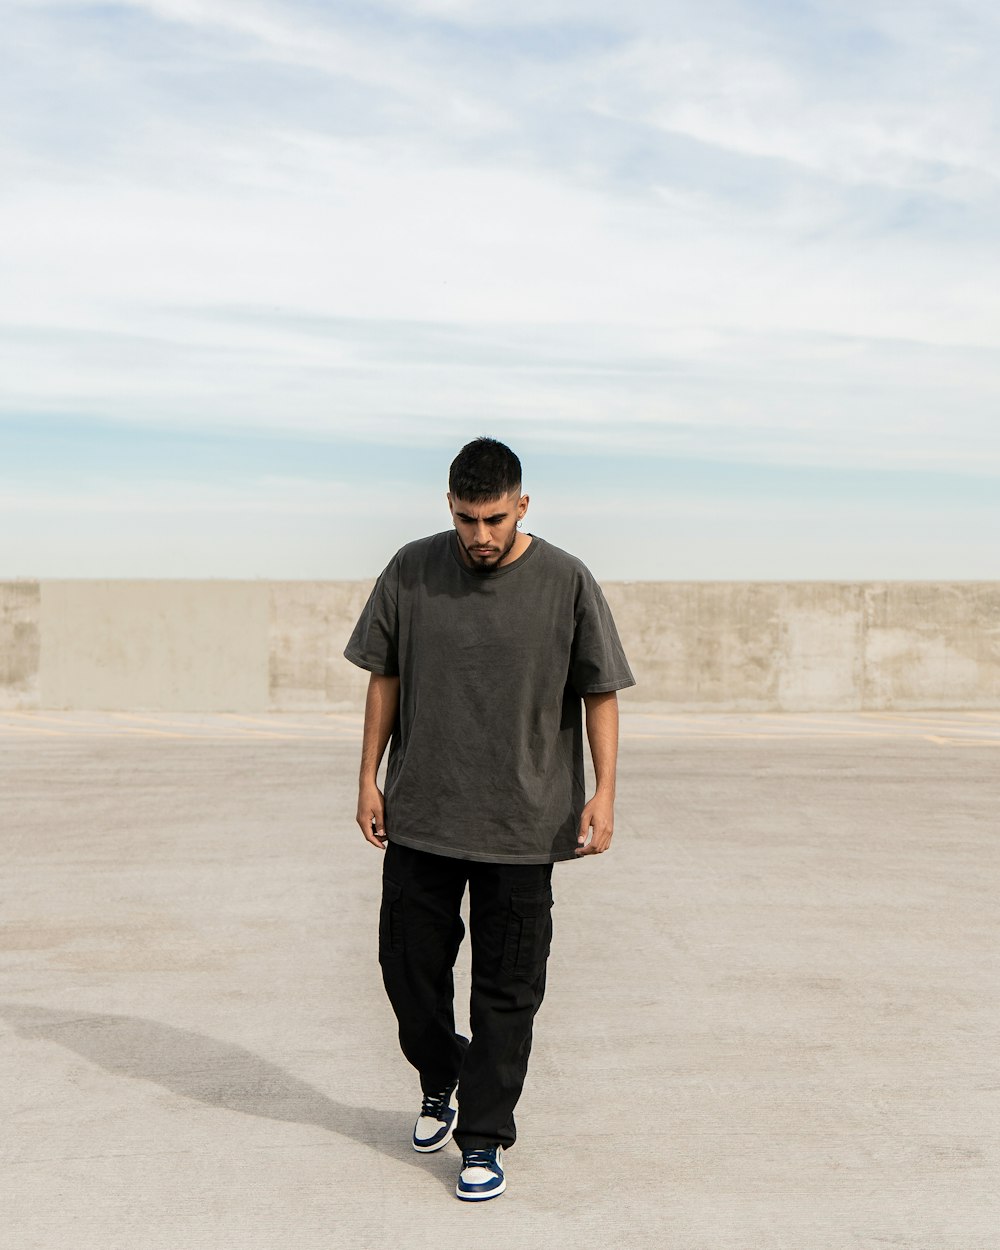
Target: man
[481,642]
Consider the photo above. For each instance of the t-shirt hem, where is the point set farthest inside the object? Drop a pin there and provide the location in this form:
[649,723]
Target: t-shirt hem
[607,686]
[379,670]
[450,852]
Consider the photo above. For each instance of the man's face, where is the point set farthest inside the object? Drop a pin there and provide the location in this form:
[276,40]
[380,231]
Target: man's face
[486,531]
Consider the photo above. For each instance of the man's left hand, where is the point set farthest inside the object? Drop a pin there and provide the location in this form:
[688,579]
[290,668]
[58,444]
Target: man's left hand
[598,820]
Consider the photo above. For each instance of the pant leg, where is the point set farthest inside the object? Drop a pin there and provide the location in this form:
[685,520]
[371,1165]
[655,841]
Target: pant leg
[510,919]
[420,931]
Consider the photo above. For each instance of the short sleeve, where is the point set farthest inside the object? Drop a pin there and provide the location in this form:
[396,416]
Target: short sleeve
[597,659]
[374,645]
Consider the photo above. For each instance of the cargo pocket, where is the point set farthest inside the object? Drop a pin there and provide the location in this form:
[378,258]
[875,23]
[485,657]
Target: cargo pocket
[390,921]
[529,934]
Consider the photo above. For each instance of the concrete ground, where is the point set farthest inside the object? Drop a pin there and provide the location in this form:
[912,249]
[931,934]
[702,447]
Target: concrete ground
[772,1019]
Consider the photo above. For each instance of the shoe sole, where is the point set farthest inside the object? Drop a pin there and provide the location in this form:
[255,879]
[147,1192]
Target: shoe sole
[492,1193]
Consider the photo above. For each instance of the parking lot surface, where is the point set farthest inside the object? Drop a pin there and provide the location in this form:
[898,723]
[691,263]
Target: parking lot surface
[771,1021]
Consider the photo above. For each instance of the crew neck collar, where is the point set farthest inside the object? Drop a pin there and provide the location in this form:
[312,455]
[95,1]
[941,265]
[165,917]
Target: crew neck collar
[522,559]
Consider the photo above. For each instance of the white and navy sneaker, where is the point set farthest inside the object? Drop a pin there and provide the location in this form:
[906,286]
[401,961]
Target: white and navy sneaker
[481,1175]
[436,1122]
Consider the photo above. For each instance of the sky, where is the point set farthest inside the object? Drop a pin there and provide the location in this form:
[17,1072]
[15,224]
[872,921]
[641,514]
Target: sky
[724,275]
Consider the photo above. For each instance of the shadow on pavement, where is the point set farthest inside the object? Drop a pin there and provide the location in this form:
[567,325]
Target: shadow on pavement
[206,1070]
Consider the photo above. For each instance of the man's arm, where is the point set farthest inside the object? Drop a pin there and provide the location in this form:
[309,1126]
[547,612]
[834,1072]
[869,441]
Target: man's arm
[381,707]
[602,734]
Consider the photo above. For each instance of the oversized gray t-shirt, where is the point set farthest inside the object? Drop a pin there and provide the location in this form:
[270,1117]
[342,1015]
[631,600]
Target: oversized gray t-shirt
[486,756]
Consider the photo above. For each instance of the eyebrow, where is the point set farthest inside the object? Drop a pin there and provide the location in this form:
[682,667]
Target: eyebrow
[494,516]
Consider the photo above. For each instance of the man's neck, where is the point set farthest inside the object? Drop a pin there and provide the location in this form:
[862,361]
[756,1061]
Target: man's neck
[521,544]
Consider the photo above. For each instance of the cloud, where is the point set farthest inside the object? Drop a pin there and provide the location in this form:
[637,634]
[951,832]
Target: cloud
[266,494]
[756,233]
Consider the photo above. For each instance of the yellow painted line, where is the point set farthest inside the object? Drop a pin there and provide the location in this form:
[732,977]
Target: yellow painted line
[856,723]
[803,716]
[253,720]
[956,720]
[963,741]
[147,718]
[959,729]
[43,718]
[124,731]
[679,715]
[253,735]
[271,725]
[208,734]
[259,735]
[182,729]
[110,730]
[764,737]
[210,727]
[908,722]
[76,728]
[196,731]
[275,721]
[941,725]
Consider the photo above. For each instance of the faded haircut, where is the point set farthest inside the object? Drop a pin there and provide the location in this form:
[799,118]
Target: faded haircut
[484,469]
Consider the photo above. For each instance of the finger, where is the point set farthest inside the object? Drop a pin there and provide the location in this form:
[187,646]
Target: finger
[369,828]
[373,836]
[585,827]
[599,843]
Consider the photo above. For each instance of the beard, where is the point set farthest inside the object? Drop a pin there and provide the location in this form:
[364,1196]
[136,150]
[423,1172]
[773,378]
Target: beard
[483,564]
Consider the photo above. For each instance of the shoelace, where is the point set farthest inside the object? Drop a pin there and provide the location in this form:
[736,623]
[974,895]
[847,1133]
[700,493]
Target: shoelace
[479,1159]
[434,1105]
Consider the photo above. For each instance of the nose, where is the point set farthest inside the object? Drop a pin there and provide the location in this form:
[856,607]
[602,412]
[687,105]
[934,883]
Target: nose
[482,538]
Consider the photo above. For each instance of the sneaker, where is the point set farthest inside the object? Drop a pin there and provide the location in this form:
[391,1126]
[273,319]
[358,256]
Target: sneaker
[481,1175]
[436,1122]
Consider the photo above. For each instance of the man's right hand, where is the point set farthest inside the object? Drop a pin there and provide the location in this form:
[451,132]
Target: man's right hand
[371,815]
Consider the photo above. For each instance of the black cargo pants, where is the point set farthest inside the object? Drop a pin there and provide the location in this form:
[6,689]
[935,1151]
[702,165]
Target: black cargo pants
[420,931]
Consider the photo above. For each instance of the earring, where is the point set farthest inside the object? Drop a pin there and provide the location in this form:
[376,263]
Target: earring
[519,524]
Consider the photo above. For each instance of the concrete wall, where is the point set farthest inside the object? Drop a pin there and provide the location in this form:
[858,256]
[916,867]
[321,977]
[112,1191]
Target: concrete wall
[257,646]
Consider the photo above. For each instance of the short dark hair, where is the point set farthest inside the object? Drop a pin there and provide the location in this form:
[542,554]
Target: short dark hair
[484,469]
